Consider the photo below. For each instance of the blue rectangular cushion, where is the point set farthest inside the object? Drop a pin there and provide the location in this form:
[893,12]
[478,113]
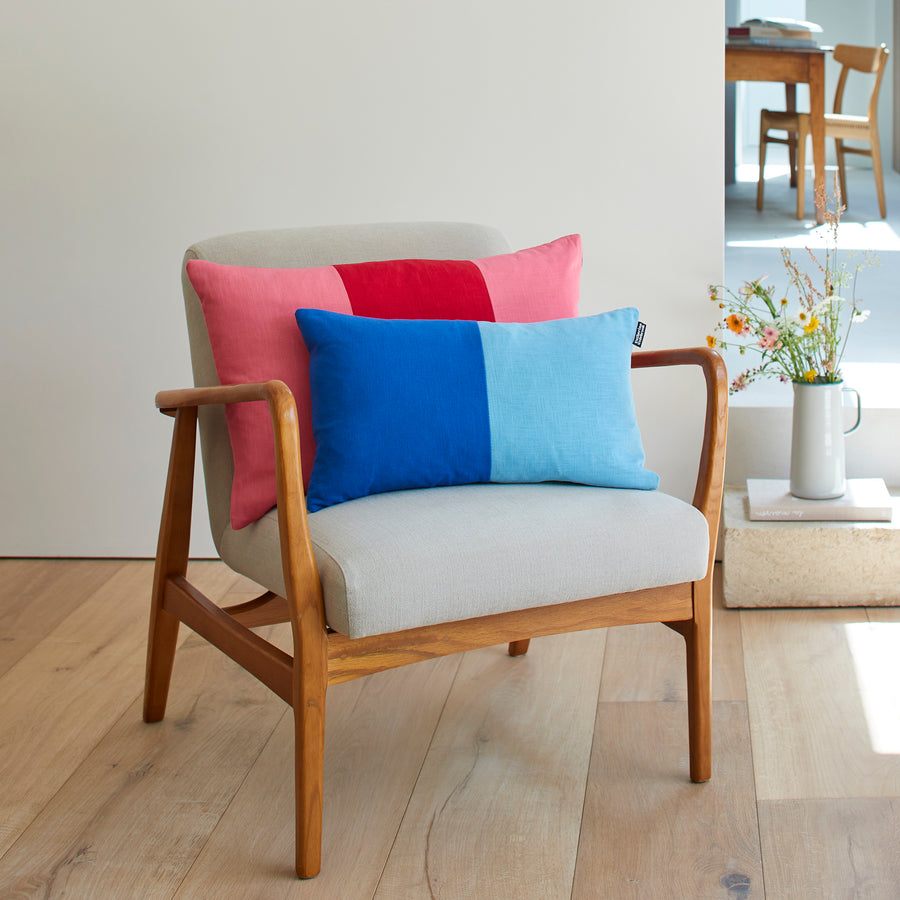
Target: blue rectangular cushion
[399,403]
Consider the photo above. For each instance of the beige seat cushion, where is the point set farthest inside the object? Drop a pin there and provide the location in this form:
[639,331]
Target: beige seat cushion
[405,559]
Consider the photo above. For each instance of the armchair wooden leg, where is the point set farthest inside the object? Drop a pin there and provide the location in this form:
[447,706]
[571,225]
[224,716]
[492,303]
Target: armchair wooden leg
[697,634]
[160,658]
[699,671]
[518,648]
[311,678]
[171,559]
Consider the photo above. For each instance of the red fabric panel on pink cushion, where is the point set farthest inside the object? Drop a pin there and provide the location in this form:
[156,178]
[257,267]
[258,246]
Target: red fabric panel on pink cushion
[417,289]
[254,336]
[249,314]
[536,284]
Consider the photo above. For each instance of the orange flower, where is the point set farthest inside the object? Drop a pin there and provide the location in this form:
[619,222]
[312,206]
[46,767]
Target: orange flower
[737,324]
[710,341]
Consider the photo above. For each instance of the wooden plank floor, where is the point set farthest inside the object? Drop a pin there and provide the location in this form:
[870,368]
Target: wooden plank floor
[561,774]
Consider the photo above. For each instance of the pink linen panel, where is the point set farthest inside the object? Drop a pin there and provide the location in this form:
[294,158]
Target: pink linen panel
[536,284]
[249,314]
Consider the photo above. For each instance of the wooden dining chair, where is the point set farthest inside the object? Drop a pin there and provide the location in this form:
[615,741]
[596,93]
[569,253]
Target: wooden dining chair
[838,125]
[383,573]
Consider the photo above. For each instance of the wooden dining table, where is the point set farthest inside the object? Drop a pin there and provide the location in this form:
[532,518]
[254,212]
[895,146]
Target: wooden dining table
[792,66]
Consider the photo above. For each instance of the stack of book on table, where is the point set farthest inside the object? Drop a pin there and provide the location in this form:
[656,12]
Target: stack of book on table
[775,33]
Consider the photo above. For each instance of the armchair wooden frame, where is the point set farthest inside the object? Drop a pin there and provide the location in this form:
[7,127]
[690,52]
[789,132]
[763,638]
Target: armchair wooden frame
[322,657]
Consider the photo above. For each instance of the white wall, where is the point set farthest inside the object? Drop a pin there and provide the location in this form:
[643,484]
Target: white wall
[130,131]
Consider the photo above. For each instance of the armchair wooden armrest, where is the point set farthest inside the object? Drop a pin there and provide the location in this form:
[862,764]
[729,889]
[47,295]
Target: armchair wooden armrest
[169,401]
[292,521]
[711,470]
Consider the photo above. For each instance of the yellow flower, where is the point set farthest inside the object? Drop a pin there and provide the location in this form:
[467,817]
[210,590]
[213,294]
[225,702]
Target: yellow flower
[710,341]
[810,376]
[811,325]
[784,301]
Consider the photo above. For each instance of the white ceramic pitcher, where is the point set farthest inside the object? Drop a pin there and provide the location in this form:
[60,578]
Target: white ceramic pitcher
[818,470]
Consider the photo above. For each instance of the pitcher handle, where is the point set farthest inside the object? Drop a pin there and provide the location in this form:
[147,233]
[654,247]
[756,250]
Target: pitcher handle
[858,408]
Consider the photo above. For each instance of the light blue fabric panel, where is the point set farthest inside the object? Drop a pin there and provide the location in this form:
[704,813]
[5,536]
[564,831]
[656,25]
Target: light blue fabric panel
[560,402]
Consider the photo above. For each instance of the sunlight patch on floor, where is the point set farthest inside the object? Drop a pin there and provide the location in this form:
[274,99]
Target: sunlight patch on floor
[874,647]
[878,237]
[750,172]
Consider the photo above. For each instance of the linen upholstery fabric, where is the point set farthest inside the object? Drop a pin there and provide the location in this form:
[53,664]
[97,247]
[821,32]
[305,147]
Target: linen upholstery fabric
[411,558]
[402,404]
[247,312]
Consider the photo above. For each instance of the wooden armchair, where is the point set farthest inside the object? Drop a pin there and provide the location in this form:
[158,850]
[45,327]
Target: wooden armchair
[283,551]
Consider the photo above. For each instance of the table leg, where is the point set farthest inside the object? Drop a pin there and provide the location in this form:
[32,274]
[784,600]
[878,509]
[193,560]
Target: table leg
[790,104]
[817,129]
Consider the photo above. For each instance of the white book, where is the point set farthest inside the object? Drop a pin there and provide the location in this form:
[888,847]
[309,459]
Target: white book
[784,24]
[865,500]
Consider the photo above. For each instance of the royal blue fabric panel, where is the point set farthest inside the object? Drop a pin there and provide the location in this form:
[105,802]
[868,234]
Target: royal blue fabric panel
[560,402]
[396,404]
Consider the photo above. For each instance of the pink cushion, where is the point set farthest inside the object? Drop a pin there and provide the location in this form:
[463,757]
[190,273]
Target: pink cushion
[249,314]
